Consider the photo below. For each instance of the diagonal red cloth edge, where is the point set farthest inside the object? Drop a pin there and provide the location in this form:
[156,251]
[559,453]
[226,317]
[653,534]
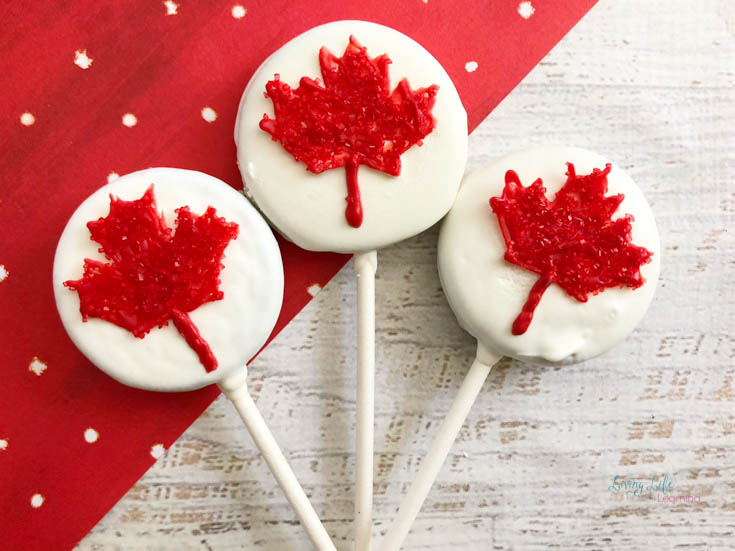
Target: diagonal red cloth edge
[63,136]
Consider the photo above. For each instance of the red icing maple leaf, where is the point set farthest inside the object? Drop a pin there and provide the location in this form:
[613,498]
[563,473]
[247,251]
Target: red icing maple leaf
[353,119]
[154,276]
[571,241]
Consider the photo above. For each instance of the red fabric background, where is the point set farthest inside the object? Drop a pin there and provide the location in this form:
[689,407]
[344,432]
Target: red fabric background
[164,69]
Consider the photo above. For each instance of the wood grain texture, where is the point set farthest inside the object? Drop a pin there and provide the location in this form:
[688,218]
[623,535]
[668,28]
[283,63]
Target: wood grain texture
[649,84]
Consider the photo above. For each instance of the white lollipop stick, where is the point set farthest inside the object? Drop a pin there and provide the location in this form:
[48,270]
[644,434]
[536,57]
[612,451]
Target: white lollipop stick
[235,388]
[432,463]
[366,265]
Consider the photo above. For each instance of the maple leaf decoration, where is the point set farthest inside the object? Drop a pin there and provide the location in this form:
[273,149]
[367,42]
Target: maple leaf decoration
[352,120]
[571,241]
[153,275]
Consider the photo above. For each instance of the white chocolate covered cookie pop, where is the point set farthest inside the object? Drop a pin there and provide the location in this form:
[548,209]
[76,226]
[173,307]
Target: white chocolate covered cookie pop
[352,137]
[486,292]
[170,280]
[308,207]
[235,327]
[553,271]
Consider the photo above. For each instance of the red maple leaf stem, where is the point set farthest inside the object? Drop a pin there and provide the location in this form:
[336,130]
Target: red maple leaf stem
[353,212]
[189,331]
[521,323]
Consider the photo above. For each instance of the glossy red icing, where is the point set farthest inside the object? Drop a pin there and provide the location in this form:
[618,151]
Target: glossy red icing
[152,274]
[351,120]
[571,241]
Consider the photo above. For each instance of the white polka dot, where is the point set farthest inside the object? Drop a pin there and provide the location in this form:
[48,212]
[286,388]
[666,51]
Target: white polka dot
[37,500]
[129,120]
[112,176]
[171,7]
[27,119]
[157,451]
[3,273]
[470,66]
[313,289]
[82,60]
[526,10]
[209,114]
[91,435]
[37,366]
[3,444]
[238,12]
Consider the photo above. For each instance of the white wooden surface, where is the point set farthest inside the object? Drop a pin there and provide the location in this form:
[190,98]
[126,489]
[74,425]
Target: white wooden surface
[651,85]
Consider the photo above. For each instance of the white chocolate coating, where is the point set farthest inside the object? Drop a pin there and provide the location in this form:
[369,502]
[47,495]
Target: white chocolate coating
[486,292]
[235,327]
[309,208]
